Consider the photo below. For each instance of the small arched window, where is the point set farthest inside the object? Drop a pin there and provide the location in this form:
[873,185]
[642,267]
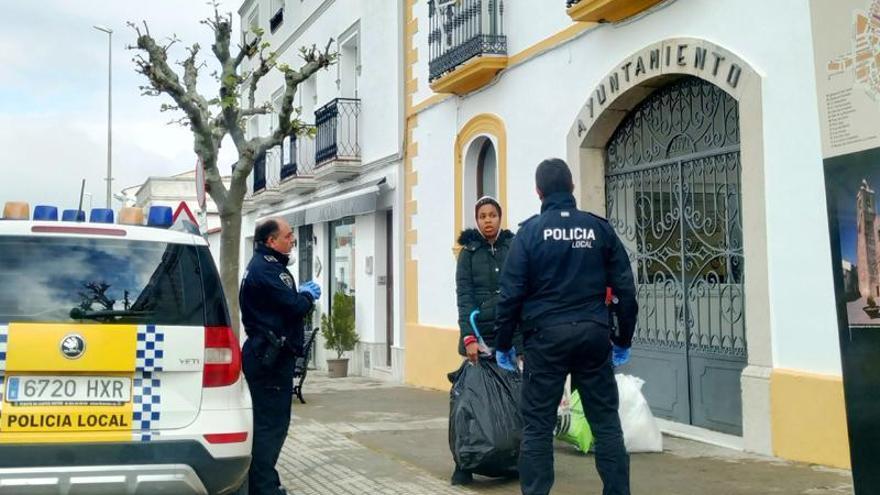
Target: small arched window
[487,166]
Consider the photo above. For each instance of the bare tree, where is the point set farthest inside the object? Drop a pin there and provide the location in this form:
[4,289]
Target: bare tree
[211,120]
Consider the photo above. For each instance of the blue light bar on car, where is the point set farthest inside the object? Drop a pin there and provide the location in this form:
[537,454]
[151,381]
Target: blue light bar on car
[44,212]
[73,216]
[159,216]
[101,215]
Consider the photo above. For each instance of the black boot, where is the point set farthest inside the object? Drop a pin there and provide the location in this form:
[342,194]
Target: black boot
[460,477]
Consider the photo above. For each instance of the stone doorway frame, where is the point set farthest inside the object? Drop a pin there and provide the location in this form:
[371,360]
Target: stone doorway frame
[616,95]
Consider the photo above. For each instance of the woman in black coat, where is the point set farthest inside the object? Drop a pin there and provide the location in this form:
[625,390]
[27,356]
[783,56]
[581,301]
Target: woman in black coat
[483,251]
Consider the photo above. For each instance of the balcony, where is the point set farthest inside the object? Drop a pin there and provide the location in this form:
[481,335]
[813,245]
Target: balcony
[298,164]
[337,141]
[606,10]
[267,175]
[466,43]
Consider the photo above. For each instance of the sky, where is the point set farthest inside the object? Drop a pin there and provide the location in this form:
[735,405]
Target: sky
[53,97]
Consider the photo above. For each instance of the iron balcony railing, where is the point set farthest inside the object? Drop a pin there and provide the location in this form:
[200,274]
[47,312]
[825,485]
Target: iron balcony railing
[461,30]
[337,136]
[298,156]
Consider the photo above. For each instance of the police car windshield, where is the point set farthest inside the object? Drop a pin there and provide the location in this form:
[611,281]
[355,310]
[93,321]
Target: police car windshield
[55,279]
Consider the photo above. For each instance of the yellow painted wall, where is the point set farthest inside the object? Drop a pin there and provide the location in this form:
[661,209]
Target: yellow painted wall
[809,418]
[431,353]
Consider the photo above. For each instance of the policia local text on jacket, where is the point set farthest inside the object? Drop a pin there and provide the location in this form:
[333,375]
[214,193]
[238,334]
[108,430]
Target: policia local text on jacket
[270,302]
[555,280]
[476,282]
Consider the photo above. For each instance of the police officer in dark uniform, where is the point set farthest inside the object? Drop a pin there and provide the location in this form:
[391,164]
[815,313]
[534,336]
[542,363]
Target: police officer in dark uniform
[554,285]
[272,311]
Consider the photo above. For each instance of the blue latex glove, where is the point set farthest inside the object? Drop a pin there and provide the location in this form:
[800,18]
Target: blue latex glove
[312,289]
[619,356]
[506,359]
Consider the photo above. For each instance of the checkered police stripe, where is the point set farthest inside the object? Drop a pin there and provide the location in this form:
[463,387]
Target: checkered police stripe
[147,405]
[150,343]
[4,340]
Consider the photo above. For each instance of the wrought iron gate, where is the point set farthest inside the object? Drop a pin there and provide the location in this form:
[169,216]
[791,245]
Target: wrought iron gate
[673,196]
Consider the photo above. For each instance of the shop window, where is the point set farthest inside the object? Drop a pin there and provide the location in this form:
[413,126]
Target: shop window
[342,252]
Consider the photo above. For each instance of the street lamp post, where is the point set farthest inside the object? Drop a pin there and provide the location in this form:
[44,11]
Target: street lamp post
[109,178]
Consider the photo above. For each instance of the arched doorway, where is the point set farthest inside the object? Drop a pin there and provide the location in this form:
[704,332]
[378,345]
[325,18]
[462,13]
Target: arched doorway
[673,195]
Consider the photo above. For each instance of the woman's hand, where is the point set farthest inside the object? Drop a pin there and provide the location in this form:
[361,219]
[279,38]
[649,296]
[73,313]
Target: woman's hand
[473,352]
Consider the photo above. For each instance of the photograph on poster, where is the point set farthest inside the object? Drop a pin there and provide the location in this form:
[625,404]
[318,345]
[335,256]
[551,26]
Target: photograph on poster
[854,180]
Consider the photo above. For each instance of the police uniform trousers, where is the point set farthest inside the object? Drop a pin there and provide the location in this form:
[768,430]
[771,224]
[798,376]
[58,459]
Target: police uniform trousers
[582,349]
[272,395]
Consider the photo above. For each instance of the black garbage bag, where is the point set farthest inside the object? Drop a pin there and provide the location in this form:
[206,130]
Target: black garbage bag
[485,424]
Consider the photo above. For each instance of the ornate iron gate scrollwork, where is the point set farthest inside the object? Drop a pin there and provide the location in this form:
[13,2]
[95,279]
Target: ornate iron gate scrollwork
[673,196]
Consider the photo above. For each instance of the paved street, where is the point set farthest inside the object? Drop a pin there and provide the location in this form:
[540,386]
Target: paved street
[360,436]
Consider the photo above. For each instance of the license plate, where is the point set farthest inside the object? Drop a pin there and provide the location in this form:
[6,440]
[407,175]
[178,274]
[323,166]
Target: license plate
[68,389]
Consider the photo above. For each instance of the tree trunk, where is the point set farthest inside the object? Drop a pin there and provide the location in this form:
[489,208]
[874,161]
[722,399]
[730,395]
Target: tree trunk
[230,253]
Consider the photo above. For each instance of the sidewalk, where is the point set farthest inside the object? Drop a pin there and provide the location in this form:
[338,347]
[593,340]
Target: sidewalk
[359,436]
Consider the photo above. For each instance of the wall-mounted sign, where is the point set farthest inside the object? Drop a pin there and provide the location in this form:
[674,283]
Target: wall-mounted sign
[846,39]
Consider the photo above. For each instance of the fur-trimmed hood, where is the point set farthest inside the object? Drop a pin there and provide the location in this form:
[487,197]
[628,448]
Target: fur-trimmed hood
[472,238]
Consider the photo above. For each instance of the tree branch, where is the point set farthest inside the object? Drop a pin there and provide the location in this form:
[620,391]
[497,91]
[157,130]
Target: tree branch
[315,60]
[190,77]
[266,64]
[263,110]
[164,80]
[153,63]
[229,78]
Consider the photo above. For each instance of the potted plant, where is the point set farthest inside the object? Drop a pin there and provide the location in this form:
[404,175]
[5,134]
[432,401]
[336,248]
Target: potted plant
[872,309]
[339,333]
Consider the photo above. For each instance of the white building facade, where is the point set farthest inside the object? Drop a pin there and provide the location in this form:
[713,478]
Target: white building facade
[693,127]
[171,191]
[339,187]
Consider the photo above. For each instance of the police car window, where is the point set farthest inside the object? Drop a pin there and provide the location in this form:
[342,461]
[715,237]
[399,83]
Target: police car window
[92,281]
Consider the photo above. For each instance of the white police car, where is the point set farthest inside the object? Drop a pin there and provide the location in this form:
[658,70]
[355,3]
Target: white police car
[119,372]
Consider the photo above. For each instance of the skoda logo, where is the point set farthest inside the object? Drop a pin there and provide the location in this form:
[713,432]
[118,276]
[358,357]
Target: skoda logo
[73,346]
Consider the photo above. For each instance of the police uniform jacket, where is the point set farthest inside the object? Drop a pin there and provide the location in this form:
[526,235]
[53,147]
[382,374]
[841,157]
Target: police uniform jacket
[270,302]
[476,282]
[558,269]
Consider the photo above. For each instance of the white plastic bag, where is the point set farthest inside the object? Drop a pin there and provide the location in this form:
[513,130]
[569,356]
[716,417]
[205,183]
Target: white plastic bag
[640,430]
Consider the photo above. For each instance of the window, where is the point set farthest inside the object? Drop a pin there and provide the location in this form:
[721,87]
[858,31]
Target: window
[349,63]
[253,23]
[141,282]
[486,171]
[480,175]
[277,13]
[309,99]
[342,256]
[253,127]
[277,98]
